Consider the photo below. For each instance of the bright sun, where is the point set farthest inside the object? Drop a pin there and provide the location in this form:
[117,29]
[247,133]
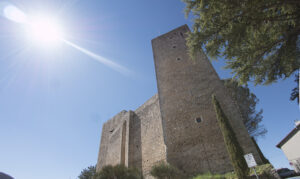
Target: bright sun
[44,31]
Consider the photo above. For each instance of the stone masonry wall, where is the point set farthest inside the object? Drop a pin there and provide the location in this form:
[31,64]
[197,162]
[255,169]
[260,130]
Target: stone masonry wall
[134,138]
[178,125]
[114,141]
[191,133]
[153,149]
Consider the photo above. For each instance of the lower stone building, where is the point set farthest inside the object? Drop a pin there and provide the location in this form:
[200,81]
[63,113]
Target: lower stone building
[178,125]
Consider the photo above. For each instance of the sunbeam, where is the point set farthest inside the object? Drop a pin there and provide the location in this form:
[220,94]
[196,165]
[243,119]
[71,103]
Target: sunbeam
[47,32]
[100,59]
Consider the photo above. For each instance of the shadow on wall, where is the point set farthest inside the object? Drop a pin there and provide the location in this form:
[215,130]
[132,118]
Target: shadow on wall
[135,143]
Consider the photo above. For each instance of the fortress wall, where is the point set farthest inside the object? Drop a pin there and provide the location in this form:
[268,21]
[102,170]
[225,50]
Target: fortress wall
[152,144]
[185,87]
[135,152]
[179,124]
[114,141]
[133,138]
[229,107]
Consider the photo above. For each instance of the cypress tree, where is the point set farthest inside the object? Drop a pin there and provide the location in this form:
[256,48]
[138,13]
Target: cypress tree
[235,151]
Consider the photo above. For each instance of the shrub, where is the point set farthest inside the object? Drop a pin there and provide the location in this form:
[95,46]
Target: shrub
[210,176]
[166,171]
[263,171]
[230,175]
[87,173]
[118,172]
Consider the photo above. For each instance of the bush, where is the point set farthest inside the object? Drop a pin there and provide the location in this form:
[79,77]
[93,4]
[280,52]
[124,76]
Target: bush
[263,171]
[166,171]
[210,176]
[118,172]
[87,173]
[230,175]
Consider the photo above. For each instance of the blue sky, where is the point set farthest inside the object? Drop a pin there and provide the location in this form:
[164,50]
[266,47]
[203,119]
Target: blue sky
[54,101]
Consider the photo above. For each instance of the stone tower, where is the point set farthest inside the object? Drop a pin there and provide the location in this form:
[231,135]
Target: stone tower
[193,139]
[178,125]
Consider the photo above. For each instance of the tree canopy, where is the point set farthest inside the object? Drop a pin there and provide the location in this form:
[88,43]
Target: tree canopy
[259,39]
[295,91]
[88,173]
[118,172]
[246,102]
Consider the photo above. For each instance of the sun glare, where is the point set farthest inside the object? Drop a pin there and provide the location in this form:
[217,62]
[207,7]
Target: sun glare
[13,13]
[41,30]
[44,31]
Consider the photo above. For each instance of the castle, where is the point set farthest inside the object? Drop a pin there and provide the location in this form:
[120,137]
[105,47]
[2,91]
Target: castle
[178,125]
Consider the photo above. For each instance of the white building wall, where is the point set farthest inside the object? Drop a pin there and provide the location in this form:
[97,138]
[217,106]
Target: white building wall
[291,150]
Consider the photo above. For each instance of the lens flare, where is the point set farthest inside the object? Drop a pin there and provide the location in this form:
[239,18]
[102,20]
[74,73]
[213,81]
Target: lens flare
[44,31]
[15,14]
[101,59]
[47,32]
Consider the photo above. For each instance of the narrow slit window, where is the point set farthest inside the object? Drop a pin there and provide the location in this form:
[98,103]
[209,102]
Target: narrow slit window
[198,119]
[181,34]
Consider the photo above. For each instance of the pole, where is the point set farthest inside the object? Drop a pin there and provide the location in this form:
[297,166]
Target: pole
[255,173]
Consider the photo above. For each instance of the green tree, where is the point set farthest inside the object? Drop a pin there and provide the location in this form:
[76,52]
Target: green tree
[259,39]
[246,101]
[295,92]
[88,173]
[118,172]
[234,149]
[166,171]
